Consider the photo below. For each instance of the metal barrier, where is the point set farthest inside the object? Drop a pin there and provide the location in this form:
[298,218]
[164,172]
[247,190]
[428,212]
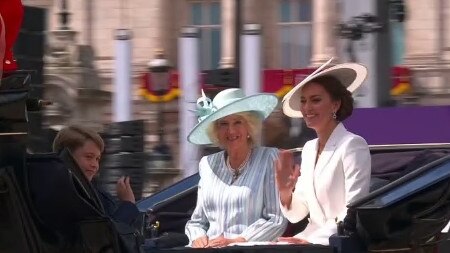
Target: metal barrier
[431,81]
[124,155]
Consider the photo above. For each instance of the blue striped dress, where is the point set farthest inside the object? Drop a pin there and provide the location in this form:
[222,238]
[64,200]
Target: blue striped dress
[245,208]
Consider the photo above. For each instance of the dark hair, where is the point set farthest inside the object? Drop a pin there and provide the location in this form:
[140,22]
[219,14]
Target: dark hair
[338,92]
[73,137]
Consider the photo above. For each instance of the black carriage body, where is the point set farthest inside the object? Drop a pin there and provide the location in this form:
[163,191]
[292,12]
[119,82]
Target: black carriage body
[414,177]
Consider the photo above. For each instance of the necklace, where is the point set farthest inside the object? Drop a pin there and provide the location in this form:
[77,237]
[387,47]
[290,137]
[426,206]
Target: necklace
[237,172]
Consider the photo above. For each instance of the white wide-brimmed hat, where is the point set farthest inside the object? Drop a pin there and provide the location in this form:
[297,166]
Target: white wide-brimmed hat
[225,103]
[351,75]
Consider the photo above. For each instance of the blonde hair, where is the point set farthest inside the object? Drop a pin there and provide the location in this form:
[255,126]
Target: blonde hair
[73,137]
[253,121]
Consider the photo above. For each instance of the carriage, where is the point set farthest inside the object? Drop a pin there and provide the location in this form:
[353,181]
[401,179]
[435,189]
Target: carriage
[405,211]
[47,207]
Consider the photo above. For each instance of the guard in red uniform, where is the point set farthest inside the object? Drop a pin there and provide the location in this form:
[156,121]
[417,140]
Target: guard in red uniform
[11,15]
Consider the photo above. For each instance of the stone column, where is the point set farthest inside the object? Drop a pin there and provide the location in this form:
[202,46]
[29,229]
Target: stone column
[162,26]
[228,34]
[444,30]
[250,67]
[422,33]
[252,10]
[189,67]
[123,97]
[89,20]
[323,31]
[270,34]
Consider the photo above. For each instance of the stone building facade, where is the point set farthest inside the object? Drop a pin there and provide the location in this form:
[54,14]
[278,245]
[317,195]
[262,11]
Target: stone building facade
[295,34]
[156,24]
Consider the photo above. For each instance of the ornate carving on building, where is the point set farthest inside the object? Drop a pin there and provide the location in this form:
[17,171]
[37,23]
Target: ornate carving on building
[71,80]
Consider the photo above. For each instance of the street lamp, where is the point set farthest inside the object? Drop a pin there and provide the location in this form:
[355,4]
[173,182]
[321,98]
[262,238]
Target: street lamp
[159,74]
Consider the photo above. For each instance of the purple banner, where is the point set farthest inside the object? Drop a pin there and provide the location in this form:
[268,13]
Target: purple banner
[401,125]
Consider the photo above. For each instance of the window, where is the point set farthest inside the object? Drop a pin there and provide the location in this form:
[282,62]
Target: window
[295,27]
[206,15]
[398,42]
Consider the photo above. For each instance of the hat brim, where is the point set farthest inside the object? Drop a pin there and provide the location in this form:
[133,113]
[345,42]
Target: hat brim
[263,104]
[351,75]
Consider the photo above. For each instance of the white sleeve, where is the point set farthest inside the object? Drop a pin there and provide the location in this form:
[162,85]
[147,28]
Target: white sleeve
[357,171]
[198,224]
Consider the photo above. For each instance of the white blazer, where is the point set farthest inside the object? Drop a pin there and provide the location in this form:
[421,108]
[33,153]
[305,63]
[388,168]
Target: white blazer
[323,190]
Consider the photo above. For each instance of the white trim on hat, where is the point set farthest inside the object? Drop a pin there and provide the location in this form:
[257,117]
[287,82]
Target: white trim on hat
[351,75]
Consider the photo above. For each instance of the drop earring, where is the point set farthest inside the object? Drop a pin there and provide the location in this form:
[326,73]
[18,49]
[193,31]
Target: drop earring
[334,115]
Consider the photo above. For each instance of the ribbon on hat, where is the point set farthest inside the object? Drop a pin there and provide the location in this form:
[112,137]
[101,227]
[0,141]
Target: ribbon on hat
[204,107]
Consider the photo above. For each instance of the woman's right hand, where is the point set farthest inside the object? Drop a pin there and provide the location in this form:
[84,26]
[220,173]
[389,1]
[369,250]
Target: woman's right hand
[200,242]
[286,175]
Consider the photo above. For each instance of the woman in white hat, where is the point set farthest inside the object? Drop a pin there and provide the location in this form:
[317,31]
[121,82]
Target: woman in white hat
[336,166]
[237,199]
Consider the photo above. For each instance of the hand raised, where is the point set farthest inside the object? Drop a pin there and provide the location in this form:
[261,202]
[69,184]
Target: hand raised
[286,175]
[124,191]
